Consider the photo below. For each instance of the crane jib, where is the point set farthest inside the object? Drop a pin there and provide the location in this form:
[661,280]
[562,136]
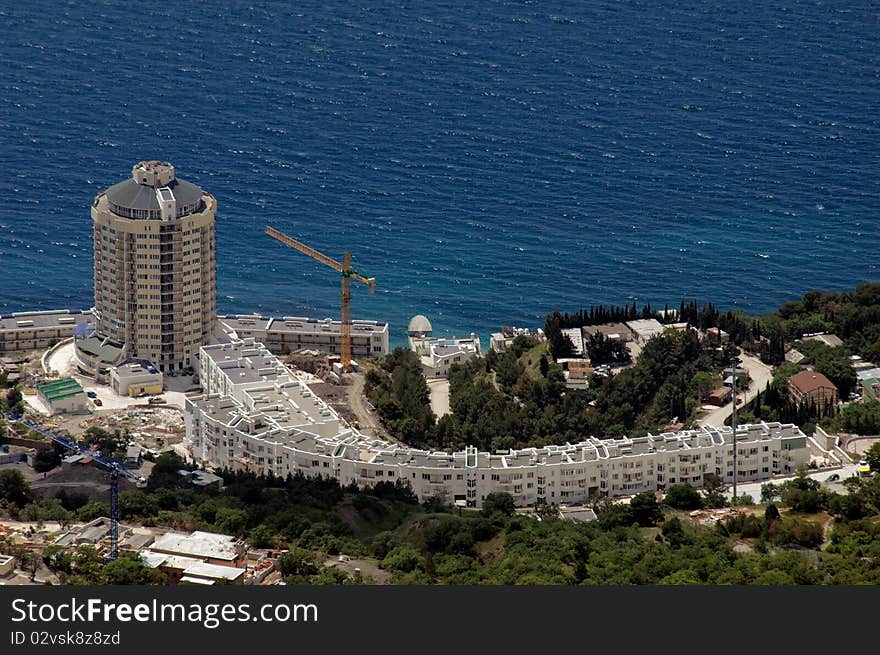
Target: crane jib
[347,274]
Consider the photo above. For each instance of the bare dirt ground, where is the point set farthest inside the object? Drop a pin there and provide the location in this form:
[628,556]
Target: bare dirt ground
[88,479]
[366,567]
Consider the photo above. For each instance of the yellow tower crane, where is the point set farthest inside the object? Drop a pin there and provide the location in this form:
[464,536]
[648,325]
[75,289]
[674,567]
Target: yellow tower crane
[347,274]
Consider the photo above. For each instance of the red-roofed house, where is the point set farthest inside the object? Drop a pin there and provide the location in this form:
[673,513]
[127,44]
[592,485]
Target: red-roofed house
[811,386]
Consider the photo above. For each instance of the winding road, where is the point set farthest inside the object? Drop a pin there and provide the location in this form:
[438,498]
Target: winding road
[759,373]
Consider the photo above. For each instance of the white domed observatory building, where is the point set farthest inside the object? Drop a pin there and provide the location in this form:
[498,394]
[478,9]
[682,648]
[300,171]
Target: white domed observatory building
[155,271]
[438,354]
[419,326]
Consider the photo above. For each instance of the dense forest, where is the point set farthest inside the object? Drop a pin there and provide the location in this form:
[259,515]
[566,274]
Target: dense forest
[802,534]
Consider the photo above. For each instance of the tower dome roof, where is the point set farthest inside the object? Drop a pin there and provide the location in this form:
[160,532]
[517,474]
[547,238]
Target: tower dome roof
[419,324]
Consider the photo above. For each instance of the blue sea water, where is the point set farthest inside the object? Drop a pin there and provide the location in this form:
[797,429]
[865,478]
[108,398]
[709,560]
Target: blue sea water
[486,162]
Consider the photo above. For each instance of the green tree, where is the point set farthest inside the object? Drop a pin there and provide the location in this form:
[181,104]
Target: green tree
[261,536]
[645,509]
[683,577]
[129,569]
[14,400]
[683,496]
[702,383]
[46,459]
[673,531]
[404,558]
[14,488]
[713,487]
[769,492]
[613,515]
[298,563]
[498,502]
[872,455]
[165,472]
[803,494]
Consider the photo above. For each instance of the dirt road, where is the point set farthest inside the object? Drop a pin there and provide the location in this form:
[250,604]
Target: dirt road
[368,421]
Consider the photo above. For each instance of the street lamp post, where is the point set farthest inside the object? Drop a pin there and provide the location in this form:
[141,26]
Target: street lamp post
[733,424]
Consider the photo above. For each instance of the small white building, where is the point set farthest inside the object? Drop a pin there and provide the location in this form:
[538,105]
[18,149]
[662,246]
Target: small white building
[204,573]
[645,328]
[210,547]
[612,331]
[501,341]
[136,378]
[438,354]
[64,396]
[133,456]
[830,340]
[39,330]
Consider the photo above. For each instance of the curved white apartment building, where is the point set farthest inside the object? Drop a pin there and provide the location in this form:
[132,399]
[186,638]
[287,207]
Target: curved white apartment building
[256,416]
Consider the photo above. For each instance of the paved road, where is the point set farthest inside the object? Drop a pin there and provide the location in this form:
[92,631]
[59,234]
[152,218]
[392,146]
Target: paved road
[439,390]
[753,489]
[760,375]
[61,360]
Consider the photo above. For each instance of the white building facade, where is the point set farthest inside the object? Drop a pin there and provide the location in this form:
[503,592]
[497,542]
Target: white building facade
[256,416]
[439,354]
[293,333]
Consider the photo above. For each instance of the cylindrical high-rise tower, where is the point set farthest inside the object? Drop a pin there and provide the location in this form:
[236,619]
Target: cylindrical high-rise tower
[155,265]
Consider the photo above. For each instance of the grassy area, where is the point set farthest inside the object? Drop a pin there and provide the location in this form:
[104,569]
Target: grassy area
[531,360]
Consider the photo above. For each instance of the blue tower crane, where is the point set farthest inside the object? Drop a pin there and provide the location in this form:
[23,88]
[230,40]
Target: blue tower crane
[115,467]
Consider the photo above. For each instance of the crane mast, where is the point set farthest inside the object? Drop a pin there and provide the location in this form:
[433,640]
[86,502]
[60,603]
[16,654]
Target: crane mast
[347,273]
[116,468]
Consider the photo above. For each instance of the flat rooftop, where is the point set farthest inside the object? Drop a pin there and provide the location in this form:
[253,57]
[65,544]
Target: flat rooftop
[246,361]
[607,329]
[213,571]
[297,325]
[645,326]
[136,367]
[63,388]
[197,544]
[59,318]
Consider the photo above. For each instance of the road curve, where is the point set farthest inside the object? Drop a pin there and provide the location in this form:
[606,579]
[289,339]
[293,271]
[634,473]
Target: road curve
[760,375]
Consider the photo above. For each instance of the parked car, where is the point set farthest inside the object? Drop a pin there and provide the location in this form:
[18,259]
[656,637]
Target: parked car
[91,394]
[834,477]
[98,402]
